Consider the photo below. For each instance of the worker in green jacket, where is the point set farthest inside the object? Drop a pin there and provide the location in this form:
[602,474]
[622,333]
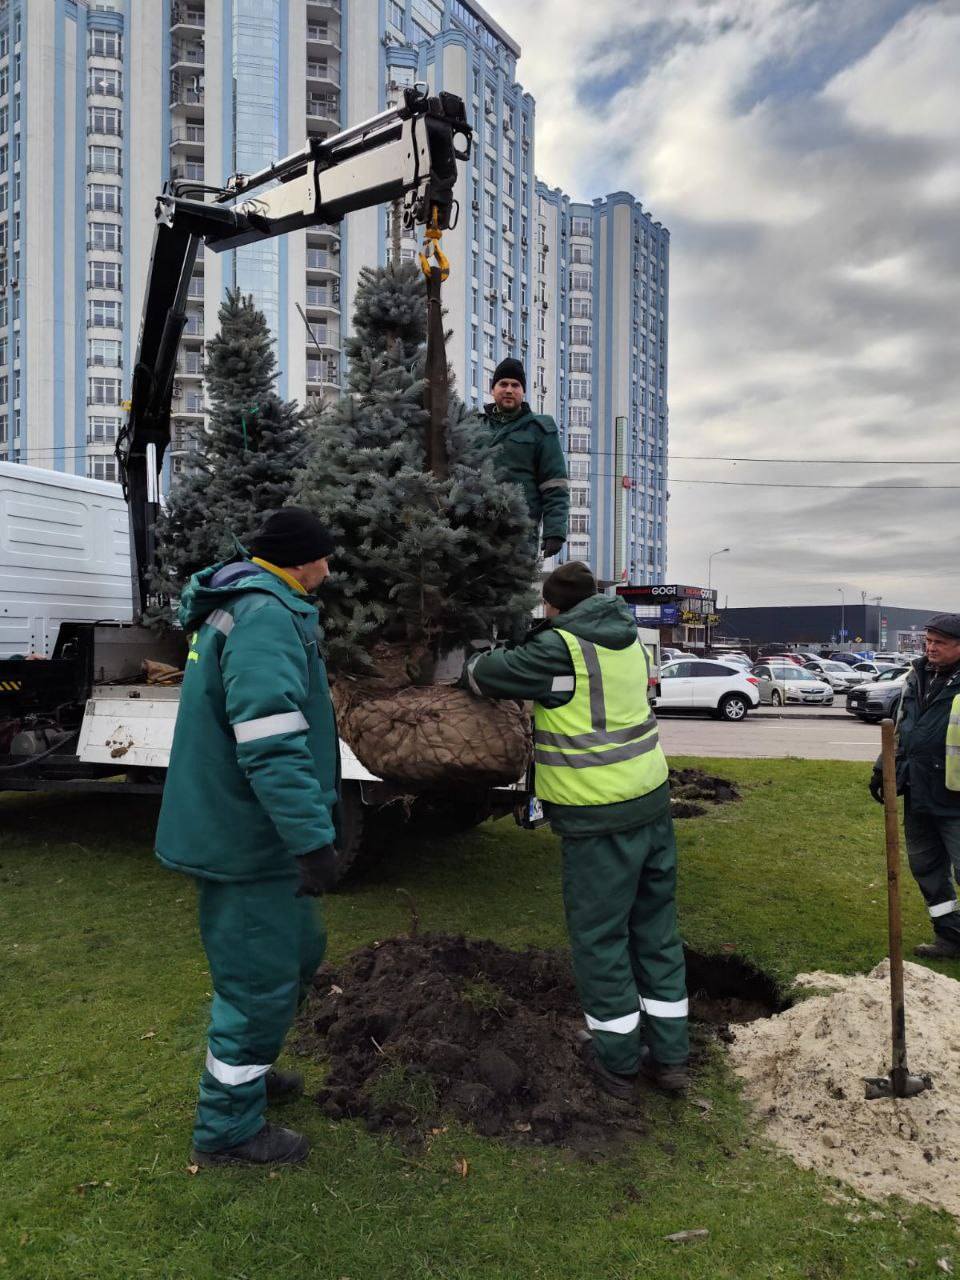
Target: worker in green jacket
[248,811]
[529,453]
[602,777]
[928,775]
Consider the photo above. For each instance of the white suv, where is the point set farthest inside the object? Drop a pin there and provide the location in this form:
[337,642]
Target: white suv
[700,684]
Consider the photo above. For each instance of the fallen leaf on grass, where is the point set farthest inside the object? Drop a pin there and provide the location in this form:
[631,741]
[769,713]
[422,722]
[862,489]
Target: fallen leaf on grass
[335,990]
[522,1126]
[945,1265]
[148,1035]
[192,1169]
[274,1173]
[461,1166]
[435,1132]
[24,1239]
[703,1104]
[684,1237]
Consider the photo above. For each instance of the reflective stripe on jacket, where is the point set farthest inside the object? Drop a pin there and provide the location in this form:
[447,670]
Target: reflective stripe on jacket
[952,770]
[603,746]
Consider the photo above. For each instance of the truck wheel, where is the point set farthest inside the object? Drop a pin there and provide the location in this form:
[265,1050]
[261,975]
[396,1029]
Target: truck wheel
[733,707]
[353,844]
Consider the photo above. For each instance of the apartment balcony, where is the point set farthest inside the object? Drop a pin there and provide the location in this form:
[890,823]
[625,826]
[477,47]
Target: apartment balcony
[184,21]
[187,137]
[189,56]
[323,34]
[185,98]
[96,246]
[98,362]
[190,368]
[319,299]
[187,172]
[327,108]
[323,72]
[316,8]
[323,339]
[188,406]
[322,260]
[195,289]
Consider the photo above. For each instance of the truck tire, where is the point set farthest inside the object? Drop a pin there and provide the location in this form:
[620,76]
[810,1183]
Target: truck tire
[733,707]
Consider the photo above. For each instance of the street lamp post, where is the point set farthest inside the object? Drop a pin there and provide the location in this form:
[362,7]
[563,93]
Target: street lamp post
[721,552]
[843,626]
[876,601]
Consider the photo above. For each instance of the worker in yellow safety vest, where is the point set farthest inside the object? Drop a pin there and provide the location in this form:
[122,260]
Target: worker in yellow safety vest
[602,777]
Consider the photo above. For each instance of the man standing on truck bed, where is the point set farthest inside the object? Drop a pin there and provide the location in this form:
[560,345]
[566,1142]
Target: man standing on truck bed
[248,810]
[602,777]
[530,454]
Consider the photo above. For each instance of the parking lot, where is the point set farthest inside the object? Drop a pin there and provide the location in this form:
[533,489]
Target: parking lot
[830,733]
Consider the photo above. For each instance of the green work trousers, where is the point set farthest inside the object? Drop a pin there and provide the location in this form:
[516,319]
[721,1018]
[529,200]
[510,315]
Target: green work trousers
[264,945]
[619,893]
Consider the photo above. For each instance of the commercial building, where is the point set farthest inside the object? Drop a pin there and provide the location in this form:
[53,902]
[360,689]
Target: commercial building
[102,101]
[685,616]
[873,626]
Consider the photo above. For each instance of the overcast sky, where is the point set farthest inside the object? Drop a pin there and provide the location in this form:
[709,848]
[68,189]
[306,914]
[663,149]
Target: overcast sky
[805,155]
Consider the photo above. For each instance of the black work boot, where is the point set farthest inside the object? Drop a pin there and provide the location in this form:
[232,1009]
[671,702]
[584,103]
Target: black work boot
[671,1077]
[284,1086]
[618,1086]
[271,1145]
[939,949]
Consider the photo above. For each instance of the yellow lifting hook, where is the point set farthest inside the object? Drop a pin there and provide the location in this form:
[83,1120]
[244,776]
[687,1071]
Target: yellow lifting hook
[431,249]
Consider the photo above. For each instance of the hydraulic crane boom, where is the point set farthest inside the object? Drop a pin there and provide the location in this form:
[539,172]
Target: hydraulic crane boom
[407,154]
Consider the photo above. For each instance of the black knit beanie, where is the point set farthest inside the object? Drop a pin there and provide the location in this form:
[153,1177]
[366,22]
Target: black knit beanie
[509,368]
[568,585]
[292,536]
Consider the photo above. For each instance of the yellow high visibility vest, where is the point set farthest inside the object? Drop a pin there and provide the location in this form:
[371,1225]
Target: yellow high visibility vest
[603,745]
[952,775]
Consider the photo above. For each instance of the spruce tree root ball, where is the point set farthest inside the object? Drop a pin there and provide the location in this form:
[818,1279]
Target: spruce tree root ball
[434,735]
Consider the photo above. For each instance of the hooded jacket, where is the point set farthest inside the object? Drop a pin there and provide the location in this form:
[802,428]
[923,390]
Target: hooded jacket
[922,743]
[528,671]
[529,453]
[254,767]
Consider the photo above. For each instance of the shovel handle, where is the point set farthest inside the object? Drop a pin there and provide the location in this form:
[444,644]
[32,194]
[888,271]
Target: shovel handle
[898,1018]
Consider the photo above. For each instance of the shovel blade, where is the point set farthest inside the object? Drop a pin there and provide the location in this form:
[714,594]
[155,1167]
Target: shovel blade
[898,1084]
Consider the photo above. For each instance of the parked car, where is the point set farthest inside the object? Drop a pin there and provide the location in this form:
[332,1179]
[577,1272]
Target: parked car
[872,670]
[781,658]
[736,659]
[850,658]
[838,675]
[782,682]
[669,654]
[879,698]
[700,684]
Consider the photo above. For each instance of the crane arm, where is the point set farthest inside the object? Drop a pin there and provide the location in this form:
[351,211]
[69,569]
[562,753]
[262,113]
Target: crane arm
[407,154]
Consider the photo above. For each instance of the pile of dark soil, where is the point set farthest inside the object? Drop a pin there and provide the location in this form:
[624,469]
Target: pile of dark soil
[692,790]
[418,1029]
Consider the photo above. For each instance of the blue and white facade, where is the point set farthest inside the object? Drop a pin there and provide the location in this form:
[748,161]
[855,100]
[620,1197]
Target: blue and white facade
[78,174]
[102,101]
[600,359]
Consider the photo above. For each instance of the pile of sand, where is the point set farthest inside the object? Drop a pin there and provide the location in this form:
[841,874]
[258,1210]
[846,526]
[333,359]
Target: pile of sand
[804,1069]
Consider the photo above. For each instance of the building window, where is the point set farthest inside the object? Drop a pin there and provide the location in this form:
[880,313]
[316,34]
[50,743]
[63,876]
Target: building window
[102,198]
[102,430]
[104,391]
[580,497]
[105,80]
[490,170]
[579,468]
[582,227]
[427,15]
[580,416]
[489,349]
[581,335]
[104,235]
[104,159]
[104,120]
[579,443]
[395,15]
[104,314]
[105,44]
[580,522]
[100,468]
[104,275]
[581,362]
[581,280]
[580,388]
[581,308]
[104,351]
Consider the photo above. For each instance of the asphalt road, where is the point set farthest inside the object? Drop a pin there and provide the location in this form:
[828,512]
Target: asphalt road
[827,734]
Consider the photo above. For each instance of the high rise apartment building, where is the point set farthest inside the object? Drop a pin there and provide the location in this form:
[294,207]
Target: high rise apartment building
[100,102]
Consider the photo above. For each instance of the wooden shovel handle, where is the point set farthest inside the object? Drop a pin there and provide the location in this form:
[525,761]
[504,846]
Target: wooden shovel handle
[898,1021]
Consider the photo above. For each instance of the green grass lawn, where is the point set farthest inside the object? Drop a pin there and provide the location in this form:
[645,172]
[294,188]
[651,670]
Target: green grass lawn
[103,1005]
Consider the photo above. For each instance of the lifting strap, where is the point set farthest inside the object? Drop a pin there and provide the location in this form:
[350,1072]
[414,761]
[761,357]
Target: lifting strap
[436,269]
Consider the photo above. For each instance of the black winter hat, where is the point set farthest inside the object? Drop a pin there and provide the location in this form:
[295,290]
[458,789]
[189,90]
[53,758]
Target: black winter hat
[946,624]
[568,585]
[509,368]
[292,536]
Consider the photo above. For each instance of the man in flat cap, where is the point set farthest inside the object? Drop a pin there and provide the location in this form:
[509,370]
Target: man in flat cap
[248,813]
[529,453]
[928,774]
[602,776]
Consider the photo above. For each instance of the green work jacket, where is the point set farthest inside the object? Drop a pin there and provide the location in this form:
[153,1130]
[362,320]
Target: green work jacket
[529,453]
[922,744]
[541,669]
[254,766]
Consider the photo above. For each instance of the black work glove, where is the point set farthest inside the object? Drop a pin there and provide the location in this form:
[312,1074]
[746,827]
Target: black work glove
[317,873]
[876,785]
[551,546]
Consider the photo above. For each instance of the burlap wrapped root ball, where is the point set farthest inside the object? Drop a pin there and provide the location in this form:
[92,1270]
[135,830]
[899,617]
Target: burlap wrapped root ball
[435,734]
